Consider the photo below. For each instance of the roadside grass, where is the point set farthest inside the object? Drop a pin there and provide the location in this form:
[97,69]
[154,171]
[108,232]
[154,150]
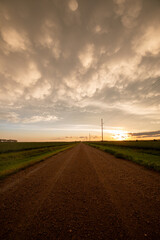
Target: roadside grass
[148,158]
[12,162]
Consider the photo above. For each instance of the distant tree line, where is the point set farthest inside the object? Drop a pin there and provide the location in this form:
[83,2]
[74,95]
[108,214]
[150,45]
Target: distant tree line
[8,140]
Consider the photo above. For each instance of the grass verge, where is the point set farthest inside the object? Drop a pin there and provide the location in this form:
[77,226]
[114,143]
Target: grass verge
[147,159]
[12,162]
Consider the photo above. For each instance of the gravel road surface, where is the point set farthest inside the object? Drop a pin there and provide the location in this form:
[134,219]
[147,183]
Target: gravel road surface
[82,193]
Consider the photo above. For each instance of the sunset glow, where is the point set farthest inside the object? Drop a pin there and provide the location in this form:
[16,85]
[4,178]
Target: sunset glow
[120,135]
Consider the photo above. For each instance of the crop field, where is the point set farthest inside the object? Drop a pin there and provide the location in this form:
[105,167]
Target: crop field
[146,153]
[21,146]
[19,155]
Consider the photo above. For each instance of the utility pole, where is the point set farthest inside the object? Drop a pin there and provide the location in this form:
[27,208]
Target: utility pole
[102,128]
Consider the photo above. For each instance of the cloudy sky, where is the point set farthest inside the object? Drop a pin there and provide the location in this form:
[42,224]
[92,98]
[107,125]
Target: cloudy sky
[65,64]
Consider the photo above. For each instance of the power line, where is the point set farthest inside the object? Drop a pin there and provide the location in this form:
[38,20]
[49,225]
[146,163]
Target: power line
[102,128]
[89,137]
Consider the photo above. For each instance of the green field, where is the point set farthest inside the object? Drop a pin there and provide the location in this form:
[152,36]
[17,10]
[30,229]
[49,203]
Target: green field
[21,146]
[146,153]
[19,155]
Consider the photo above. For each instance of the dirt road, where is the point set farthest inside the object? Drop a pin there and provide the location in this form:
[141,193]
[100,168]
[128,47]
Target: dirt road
[82,193]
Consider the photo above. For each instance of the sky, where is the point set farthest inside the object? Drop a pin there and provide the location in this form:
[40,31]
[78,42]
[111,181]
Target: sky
[65,64]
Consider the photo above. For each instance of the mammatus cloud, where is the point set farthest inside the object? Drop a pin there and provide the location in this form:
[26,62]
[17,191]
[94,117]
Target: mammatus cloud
[40,90]
[14,40]
[81,61]
[73,5]
[128,12]
[86,56]
[145,45]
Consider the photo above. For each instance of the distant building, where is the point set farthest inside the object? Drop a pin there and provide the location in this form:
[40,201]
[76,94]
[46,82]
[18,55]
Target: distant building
[8,140]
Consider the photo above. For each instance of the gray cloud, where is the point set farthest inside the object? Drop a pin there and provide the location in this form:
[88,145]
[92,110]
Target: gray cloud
[146,134]
[79,61]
